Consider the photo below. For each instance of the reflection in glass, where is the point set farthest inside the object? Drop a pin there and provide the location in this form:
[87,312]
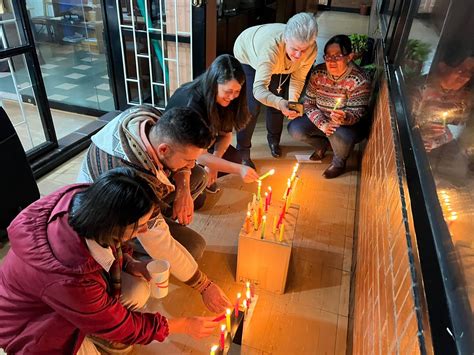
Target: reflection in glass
[438,68]
[69,38]
[19,101]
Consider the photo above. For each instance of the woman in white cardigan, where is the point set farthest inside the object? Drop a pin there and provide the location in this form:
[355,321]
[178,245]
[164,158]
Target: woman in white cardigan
[276,59]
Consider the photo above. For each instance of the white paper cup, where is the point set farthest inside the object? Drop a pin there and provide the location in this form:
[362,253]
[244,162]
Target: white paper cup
[160,273]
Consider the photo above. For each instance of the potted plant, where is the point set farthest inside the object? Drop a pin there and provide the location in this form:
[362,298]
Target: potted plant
[416,54]
[359,46]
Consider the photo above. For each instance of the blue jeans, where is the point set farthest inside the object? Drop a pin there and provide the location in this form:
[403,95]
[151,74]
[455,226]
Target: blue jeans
[273,117]
[342,140]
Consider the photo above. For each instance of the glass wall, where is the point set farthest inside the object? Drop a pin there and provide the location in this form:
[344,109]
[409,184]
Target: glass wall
[69,40]
[438,68]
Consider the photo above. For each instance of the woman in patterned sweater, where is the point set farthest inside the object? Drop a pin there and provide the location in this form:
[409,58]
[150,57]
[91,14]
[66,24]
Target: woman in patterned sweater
[335,105]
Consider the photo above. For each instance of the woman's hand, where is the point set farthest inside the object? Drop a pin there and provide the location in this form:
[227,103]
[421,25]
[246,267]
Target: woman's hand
[248,174]
[338,116]
[329,128]
[211,176]
[215,299]
[283,107]
[197,327]
[138,268]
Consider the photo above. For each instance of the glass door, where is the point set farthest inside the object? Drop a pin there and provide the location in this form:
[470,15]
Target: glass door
[153,53]
[22,92]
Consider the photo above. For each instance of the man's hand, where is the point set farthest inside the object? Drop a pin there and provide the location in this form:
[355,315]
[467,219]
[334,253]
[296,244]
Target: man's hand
[183,207]
[197,327]
[283,107]
[248,174]
[338,117]
[138,268]
[329,128]
[211,176]
[215,299]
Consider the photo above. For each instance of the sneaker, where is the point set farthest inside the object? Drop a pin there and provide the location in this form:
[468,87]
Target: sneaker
[110,347]
[199,201]
[213,189]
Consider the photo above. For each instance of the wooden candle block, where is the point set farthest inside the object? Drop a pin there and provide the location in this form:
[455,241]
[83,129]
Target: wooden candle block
[265,262]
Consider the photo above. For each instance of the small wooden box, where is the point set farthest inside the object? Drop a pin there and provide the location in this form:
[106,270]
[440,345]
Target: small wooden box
[265,262]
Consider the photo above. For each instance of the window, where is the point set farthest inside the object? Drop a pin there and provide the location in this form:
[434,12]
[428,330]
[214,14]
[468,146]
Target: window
[438,70]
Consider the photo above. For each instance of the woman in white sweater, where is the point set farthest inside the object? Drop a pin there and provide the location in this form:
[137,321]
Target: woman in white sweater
[276,59]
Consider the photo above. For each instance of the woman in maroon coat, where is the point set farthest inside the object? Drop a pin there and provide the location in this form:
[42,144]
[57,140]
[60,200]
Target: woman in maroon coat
[62,278]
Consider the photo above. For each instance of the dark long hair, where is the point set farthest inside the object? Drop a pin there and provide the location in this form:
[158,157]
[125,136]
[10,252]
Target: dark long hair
[224,68]
[117,199]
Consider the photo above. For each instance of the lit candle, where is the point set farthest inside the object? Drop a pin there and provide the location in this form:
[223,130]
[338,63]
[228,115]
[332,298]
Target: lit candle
[282,230]
[260,212]
[269,195]
[236,308]
[274,227]
[222,339]
[445,117]
[255,219]
[288,188]
[264,223]
[249,297]
[247,285]
[295,183]
[227,318]
[282,214]
[266,202]
[258,190]
[247,222]
[214,349]
[338,102]
[244,305]
[267,174]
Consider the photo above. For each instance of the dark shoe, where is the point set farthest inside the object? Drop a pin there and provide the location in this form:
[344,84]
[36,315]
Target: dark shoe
[318,154]
[248,162]
[213,189]
[199,201]
[333,171]
[275,150]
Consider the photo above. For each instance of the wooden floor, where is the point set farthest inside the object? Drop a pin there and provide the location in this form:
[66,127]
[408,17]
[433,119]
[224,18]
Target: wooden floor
[312,316]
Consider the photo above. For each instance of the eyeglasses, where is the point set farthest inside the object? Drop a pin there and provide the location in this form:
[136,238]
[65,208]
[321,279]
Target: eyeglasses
[333,58]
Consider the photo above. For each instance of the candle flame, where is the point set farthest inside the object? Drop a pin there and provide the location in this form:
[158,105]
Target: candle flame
[227,311]
[214,349]
[247,284]
[223,328]
[248,214]
[239,295]
[445,114]
[244,304]
[269,188]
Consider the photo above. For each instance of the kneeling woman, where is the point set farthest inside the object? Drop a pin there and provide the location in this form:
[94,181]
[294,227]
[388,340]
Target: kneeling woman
[65,276]
[335,106]
[219,96]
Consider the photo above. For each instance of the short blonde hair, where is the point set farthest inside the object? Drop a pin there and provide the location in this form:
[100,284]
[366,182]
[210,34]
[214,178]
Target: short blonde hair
[301,27]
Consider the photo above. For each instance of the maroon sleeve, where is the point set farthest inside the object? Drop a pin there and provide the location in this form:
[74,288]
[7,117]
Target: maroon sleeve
[86,304]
